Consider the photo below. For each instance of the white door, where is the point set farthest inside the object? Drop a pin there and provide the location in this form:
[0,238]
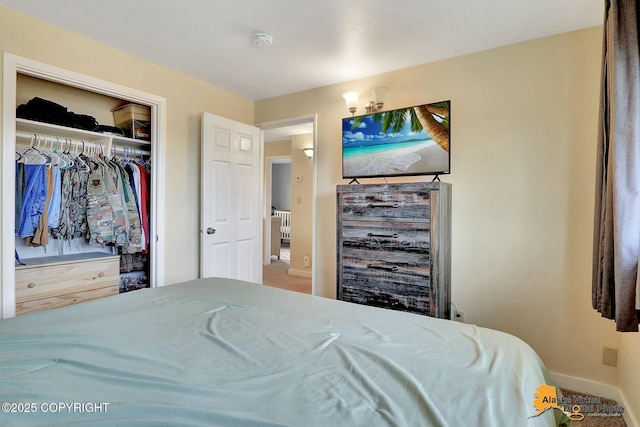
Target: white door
[231,227]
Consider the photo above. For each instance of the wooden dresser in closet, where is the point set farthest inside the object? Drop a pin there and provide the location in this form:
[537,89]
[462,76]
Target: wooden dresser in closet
[393,246]
[45,283]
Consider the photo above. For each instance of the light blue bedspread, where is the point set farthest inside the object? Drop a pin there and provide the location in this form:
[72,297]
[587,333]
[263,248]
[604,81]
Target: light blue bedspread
[218,352]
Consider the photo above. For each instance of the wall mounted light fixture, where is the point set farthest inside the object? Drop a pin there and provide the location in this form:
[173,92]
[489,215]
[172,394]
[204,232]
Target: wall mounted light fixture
[351,98]
[379,94]
[308,152]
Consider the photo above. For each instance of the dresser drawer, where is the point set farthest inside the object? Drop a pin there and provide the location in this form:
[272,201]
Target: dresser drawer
[403,289]
[392,279]
[382,235]
[62,300]
[382,260]
[386,206]
[35,282]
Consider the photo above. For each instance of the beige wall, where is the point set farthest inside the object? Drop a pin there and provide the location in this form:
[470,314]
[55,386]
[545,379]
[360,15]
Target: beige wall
[630,372]
[301,204]
[277,149]
[524,122]
[186,98]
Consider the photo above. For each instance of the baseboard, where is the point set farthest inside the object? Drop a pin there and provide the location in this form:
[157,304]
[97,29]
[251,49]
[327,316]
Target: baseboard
[597,389]
[301,273]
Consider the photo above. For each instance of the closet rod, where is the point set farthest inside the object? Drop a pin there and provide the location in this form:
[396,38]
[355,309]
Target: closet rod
[118,149]
[78,143]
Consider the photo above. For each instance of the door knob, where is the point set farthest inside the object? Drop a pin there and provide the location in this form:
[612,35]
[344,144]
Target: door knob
[211,230]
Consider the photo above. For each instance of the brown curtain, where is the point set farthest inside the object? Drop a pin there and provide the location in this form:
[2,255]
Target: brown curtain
[616,252]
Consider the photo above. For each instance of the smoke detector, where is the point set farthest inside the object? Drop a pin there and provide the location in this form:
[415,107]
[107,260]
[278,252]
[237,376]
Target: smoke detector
[262,39]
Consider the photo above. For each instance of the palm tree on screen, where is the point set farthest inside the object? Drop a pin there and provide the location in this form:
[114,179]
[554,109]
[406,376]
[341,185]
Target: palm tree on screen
[432,118]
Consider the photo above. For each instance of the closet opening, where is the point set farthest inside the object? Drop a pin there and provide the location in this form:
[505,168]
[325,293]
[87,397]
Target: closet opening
[53,147]
[86,208]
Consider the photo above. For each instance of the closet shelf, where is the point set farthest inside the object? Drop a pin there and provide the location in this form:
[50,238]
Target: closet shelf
[49,129]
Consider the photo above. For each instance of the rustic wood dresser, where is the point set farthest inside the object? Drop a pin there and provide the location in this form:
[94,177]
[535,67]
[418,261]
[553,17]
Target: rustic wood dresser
[394,246]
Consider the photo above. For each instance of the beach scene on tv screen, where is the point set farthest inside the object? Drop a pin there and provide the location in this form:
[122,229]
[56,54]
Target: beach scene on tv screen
[407,141]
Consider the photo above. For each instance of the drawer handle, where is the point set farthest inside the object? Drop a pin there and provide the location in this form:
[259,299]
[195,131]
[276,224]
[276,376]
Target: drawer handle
[382,267]
[31,285]
[382,205]
[390,236]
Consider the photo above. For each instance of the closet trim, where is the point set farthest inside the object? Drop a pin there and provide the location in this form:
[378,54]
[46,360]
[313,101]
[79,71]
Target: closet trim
[14,64]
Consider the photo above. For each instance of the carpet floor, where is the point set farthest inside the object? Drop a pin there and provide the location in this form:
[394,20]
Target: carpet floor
[276,274]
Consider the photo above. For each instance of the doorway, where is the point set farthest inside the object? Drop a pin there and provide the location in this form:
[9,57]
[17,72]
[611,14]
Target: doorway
[289,139]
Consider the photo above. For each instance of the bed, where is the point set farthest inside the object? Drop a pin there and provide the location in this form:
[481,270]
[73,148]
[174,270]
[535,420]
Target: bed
[220,352]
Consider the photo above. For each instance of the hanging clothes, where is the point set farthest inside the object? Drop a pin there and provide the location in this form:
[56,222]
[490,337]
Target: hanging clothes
[41,234]
[56,198]
[73,211]
[94,198]
[64,220]
[20,183]
[144,202]
[113,216]
[135,230]
[33,200]
[78,204]
[100,219]
[134,182]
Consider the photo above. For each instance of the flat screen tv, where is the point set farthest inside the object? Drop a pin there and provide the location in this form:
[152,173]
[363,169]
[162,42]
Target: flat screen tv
[402,142]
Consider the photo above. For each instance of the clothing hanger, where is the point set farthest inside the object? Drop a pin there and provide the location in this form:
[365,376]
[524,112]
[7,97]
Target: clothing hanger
[115,155]
[67,154]
[146,163]
[82,166]
[91,155]
[53,154]
[95,154]
[124,160]
[32,155]
[41,141]
[52,158]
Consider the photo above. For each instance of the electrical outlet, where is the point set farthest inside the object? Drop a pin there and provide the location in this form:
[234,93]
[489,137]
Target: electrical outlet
[610,356]
[459,316]
[307,262]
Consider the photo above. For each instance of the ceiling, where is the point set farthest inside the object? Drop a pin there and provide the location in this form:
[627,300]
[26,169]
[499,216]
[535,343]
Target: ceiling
[315,42]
